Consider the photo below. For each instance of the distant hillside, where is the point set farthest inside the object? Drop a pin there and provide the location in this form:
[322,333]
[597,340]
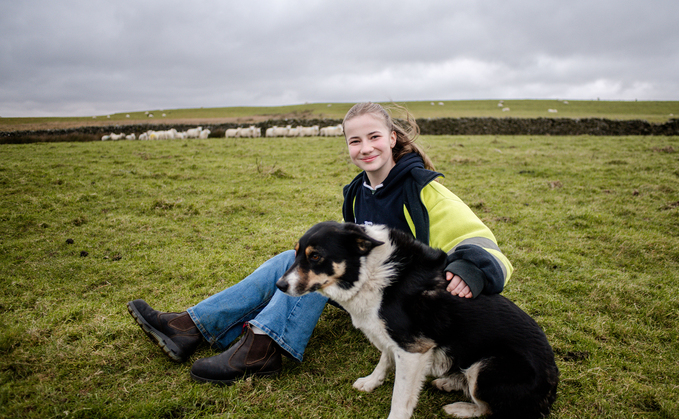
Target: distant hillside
[651,111]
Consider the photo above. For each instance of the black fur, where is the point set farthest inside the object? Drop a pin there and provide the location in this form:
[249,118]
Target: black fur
[519,377]
[522,377]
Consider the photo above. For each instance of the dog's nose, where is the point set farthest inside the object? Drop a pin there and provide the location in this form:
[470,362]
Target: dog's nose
[282,285]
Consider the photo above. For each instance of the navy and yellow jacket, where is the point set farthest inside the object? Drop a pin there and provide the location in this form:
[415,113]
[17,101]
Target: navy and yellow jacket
[409,199]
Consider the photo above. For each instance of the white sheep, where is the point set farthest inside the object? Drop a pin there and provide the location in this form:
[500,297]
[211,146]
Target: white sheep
[281,131]
[269,132]
[309,131]
[231,133]
[294,132]
[552,110]
[250,132]
[105,138]
[194,132]
[168,135]
[244,132]
[144,136]
[332,131]
[505,109]
[204,134]
[131,137]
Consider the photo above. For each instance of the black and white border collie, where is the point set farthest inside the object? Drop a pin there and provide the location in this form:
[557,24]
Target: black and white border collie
[394,288]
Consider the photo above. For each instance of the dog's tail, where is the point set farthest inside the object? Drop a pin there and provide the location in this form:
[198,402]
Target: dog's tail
[532,402]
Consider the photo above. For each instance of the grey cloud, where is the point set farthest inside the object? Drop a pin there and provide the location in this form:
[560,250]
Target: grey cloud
[79,57]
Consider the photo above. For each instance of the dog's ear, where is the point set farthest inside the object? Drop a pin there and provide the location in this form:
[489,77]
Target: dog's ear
[364,243]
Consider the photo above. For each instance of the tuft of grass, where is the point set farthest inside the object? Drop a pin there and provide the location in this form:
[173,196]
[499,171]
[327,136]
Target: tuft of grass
[590,224]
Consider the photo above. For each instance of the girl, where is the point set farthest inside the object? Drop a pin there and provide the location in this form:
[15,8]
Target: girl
[397,187]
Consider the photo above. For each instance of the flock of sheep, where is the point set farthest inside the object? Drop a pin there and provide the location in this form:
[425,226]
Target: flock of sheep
[249,132]
[171,134]
[314,131]
[287,131]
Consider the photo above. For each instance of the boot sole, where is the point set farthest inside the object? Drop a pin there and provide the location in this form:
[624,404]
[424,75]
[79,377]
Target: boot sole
[231,381]
[156,336]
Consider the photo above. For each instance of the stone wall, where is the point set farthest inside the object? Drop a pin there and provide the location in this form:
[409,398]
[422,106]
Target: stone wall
[545,126]
[438,126]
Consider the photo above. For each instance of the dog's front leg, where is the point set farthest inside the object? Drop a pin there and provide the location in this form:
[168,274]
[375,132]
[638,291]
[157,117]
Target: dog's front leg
[411,370]
[376,379]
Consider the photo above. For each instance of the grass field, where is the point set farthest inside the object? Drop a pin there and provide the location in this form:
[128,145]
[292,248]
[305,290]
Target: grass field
[591,225]
[652,111]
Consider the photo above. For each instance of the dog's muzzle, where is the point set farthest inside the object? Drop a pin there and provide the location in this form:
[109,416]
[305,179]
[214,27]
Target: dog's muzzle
[287,284]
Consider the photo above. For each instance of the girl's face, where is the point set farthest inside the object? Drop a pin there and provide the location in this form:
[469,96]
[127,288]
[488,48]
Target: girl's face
[370,142]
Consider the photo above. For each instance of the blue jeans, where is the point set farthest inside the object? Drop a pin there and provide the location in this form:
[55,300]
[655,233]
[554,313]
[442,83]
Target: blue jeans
[289,321]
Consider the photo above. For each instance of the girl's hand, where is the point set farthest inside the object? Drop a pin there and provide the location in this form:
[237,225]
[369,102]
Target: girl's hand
[457,286]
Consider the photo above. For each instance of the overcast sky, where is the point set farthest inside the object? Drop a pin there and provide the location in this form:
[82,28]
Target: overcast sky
[91,57]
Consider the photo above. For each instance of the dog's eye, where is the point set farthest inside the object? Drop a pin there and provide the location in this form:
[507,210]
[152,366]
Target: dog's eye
[314,257]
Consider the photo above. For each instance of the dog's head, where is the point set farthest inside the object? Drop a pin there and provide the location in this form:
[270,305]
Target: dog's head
[328,255]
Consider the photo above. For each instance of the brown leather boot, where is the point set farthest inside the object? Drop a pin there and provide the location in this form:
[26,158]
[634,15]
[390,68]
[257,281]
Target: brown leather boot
[252,355]
[175,333]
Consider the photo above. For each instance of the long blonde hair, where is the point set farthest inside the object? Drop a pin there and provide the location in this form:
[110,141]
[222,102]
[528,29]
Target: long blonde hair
[406,130]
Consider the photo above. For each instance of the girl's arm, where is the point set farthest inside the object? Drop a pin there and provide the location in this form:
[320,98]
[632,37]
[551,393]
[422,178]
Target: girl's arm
[473,253]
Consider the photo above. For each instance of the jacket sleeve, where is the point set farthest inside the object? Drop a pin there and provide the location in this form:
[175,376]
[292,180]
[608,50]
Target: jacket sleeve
[472,249]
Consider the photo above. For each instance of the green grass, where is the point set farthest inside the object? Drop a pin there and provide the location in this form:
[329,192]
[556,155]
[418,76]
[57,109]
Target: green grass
[652,111]
[591,225]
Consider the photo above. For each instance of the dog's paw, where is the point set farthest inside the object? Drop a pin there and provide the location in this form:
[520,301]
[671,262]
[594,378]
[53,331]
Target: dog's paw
[367,384]
[448,384]
[465,410]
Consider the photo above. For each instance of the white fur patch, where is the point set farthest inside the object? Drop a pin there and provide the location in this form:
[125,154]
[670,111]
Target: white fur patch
[455,382]
[292,278]
[440,363]
[374,275]
[466,382]
[465,410]
[472,374]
